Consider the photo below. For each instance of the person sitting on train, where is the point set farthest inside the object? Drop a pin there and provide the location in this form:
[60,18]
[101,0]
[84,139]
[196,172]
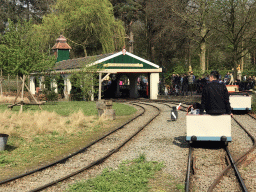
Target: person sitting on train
[215,97]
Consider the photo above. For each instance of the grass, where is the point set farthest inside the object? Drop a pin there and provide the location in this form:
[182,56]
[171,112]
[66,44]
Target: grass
[38,137]
[68,108]
[253,103]
[163,182]
[130,176]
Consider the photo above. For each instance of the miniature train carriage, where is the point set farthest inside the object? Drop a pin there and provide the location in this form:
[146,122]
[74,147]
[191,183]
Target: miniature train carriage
[240,101]
[208,127]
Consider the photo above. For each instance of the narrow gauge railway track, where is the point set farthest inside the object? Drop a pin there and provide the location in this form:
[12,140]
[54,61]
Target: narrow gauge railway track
[8,185]
[232,164]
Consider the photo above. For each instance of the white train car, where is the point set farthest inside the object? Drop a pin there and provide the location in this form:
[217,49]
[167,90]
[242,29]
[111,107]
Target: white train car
[240,102]
[208,127]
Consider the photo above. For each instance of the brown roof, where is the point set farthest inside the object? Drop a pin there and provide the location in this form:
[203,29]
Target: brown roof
[78,62]
[61,43]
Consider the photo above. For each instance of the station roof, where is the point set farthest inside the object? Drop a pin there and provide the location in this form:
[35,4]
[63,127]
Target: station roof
[120,62]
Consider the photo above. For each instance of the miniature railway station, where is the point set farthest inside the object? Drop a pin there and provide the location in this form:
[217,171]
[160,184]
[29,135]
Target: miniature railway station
[125,75]
[119,73]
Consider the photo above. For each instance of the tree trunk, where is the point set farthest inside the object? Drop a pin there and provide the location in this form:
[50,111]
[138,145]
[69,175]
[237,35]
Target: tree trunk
[202,56]
[203,48]
[235,62]
[85,52]
[242,58]
[189,57]
[27,2]
[203,33]
[207,60]
[131,42]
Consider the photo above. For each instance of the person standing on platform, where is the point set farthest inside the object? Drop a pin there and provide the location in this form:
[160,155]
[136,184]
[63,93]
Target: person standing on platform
[185,85]
[191,82]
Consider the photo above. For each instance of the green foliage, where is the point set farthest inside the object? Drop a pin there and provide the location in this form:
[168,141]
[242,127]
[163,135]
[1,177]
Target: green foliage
[89,24]
[180,187]
[249,72]
[254,103]
[122,109]
[67,108]
[49,91]
[128,10]
[82,83]
[180,69]
[21,50]
[130,176]
[4,160]
[50,95]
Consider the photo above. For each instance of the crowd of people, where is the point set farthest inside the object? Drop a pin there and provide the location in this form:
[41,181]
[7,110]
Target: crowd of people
[185,83]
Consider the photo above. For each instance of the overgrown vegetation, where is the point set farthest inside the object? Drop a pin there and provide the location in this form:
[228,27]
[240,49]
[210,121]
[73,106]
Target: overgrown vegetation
[130,176]
[38,136]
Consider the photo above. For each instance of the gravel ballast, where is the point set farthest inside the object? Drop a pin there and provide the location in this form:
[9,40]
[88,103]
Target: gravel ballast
[163,141]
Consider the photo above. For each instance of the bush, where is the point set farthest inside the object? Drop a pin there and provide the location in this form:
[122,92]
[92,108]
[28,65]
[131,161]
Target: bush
[50,95]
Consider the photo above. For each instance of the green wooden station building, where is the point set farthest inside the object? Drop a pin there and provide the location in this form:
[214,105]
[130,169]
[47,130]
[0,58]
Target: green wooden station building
[117,64]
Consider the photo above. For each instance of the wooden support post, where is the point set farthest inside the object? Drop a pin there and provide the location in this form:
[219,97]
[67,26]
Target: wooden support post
[1,81]
[32,96]
[99,96]
[18,92]
[92,95]
[22,93]
[104,78]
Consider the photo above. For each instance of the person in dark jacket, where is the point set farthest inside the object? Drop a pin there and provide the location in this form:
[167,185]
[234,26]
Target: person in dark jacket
[185,85]
[215,97]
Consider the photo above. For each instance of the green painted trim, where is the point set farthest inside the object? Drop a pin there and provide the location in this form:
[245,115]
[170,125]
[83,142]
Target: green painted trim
[123,60]
[63,54]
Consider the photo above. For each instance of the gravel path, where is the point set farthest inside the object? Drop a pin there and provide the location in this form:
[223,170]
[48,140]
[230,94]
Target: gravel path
[248,168]
[75,163]
[209,161]
[162,141]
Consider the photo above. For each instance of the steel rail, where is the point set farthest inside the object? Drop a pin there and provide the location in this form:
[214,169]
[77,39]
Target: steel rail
[71,155]
[241,181]
[101,160]
[233,164]
[188,169]
[237,161]
[187,181]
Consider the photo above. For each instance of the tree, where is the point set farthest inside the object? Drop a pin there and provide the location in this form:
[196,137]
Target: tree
[197,17]
[35,9]
[129,11]
[89,24]
[23,9]
[22,49]
[235,20]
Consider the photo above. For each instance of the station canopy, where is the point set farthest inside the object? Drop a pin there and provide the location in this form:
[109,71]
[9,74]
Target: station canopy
[121,62]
